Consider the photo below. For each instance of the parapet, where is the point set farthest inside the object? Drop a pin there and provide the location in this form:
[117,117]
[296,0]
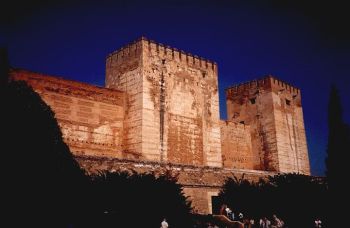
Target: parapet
[131,49]
[136,47]
[268,82]
[69,87]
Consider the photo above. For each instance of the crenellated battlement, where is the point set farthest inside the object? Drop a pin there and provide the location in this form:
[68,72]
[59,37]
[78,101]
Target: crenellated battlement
[130,51]
[282,84]
[127,49]
[267,82]
[64,86]
[166,51]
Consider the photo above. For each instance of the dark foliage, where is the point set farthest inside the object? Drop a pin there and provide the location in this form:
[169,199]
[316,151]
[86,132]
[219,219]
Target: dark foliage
[4,67]
[43,185]
[337,152]
[136,200]
[41,181]
[297,199]
[338,143]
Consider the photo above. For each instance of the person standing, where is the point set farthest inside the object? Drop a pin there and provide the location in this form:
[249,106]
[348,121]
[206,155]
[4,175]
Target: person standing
[240,217]
[164,224]
[230,214]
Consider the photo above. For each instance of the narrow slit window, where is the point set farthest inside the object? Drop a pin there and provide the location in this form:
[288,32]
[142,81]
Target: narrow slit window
[287,102]
[252,100]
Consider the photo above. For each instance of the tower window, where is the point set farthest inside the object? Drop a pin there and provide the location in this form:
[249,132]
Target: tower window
[287,102]
[252,100]
[203,74]
[163,61]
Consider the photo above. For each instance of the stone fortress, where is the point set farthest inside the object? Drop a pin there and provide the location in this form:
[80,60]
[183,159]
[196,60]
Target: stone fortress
[159,112]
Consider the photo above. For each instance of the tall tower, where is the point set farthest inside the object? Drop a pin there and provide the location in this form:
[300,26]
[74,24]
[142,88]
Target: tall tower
[172,112]
[124,72]
[273,110]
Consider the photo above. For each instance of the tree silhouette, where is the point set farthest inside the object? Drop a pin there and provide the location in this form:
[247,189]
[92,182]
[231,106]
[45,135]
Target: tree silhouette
[4,67]
[43,185]
[298,198]
[136,200]
[295,198]
[241,196]
[40,178]
[337,152]
[338,142]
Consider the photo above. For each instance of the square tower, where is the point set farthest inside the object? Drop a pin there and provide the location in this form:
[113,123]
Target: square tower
[273,110]
[172,112]
[124,73]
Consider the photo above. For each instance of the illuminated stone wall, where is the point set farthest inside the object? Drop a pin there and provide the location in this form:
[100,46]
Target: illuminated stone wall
[172,109]
[273,110]
[90,117]
[236,146]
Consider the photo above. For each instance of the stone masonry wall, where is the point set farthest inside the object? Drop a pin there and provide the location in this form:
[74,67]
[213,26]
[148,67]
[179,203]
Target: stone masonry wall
[90,117]
[290,131]
[273,110]
[180,107]
[236,146]
[251,104]
[124,73]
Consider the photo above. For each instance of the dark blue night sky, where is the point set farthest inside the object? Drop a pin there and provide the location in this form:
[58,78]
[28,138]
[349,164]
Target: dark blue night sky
[307,45]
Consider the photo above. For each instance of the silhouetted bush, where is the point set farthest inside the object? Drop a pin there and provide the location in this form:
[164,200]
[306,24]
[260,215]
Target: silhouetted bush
[136,200]
[338,148]
[297,199]
[43,185]
[41,179]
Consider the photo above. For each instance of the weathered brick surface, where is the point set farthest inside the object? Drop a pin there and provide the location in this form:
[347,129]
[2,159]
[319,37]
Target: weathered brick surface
[124,73]
[172,112]
[90,117]
[236,146]
[181,96]
[160,111]
[273,110]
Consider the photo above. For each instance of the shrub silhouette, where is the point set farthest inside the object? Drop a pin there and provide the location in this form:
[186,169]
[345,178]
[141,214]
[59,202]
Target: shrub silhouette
[40,176]
[338,148]
[297,199]
[46,185]
[43,185]
[136,200]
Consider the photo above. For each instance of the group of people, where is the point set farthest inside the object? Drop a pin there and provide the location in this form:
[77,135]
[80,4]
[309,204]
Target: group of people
[225,210]
[264,222]
[275,223]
